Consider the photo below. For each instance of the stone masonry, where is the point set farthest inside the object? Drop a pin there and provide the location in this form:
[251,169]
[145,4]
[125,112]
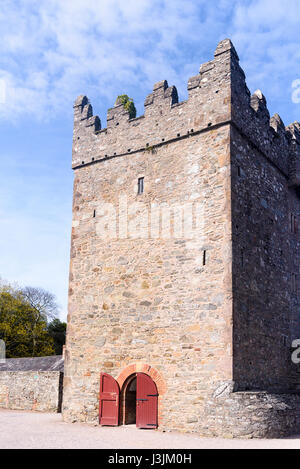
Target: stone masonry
[210,317]
[32,383]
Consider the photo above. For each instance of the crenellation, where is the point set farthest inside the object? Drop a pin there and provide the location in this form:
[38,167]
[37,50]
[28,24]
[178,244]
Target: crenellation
[252,117]
[165,117]
[80,102]
[258,102]
[277,124]
[84,118]
[94,122]
[117,115]
[293,133]
[206,67]
[162,95]
[172,95]
[194,82]
[226,46]
[163,111]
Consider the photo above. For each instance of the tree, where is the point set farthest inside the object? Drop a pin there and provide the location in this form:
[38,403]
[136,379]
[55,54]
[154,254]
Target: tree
[23,321]
[43,302]
[57,330]
[43,307]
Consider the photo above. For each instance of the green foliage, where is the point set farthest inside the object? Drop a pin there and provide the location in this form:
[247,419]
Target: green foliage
[57,330]
[128,104]
[22,327]
[151,149]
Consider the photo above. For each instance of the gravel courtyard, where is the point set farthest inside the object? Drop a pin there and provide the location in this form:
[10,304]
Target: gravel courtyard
[19,429]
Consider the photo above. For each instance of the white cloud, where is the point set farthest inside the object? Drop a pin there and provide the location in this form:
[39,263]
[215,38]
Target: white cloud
[266,34]
[51,51]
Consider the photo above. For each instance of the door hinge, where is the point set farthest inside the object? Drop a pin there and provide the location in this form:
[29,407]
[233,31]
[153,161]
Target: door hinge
[152,395]
[142,399]
[151,424]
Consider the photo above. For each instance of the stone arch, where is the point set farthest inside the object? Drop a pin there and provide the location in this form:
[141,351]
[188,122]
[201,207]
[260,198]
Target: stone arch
[130,371]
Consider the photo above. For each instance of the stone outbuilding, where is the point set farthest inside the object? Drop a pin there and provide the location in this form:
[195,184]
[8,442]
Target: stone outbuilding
[32,383]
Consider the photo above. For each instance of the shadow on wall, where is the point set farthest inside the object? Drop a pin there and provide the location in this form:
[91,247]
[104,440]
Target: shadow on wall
[60,392]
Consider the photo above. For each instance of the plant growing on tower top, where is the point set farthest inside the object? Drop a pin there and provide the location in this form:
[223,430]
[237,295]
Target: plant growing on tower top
[127,103]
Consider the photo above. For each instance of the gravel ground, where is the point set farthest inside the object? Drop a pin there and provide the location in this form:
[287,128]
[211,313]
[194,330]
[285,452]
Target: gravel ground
[19,429]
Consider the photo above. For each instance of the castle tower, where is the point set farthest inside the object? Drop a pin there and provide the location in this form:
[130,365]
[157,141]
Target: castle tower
[185,261]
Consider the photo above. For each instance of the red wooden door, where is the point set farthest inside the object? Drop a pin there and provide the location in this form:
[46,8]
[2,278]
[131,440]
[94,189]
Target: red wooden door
[146,402]
[109,400]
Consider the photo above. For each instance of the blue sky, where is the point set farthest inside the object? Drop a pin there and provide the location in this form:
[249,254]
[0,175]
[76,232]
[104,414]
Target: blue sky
[53,50]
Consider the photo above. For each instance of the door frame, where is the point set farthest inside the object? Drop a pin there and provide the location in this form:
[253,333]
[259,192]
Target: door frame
[154,374]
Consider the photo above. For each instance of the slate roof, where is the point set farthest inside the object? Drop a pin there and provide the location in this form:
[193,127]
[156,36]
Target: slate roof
[53,363]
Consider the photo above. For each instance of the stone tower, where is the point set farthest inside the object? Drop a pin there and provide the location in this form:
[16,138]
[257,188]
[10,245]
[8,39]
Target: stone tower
[185,257]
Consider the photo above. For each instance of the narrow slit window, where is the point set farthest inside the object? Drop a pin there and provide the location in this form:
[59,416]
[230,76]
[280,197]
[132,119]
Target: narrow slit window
[285,340]
[204,257]
[94,214]
[140,185]
[294,283]
[294,224]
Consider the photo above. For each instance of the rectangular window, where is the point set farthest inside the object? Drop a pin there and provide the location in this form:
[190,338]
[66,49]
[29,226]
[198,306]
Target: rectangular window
[284,340]
[140,185]
[294,224]
[294,283]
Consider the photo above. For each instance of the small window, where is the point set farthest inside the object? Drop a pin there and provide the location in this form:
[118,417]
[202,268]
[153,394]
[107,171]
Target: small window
[204,258]
[294,283]
[140,185]
[294,224]
[284,340]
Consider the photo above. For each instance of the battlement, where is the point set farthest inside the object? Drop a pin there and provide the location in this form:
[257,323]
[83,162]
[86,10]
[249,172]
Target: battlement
[217,95]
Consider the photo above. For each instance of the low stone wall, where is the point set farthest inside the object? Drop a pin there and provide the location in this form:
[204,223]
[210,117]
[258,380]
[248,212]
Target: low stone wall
[250,415]
[31,390]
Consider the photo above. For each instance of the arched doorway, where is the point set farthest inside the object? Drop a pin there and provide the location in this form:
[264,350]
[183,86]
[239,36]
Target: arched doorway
[135,397]
[139,401]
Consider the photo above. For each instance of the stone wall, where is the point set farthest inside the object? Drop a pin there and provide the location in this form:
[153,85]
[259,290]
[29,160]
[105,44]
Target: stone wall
[151,300]
[31,390]
[249,414]
[264,302]
[199,315]
[154,299]
[266,250]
